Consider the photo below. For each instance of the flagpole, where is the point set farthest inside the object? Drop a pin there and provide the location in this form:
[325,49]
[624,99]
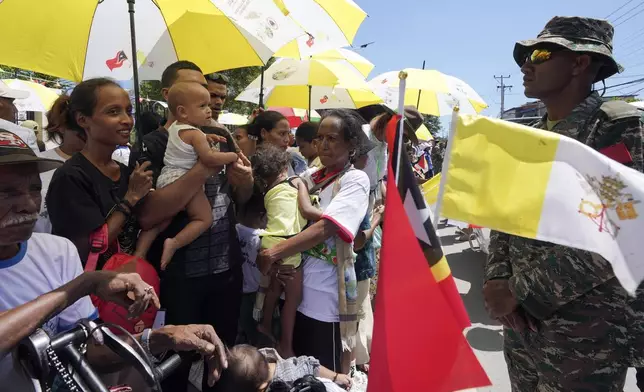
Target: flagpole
[402,75]
[135,76]
[444,173]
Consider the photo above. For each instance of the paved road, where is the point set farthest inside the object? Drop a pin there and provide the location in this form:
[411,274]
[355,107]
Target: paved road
[485,335]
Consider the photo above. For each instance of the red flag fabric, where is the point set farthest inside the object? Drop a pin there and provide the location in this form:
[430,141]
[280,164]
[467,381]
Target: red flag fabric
[117,61]
[418,212]
[418,344]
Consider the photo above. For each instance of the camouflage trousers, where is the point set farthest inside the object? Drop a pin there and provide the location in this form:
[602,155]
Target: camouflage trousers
[535,365]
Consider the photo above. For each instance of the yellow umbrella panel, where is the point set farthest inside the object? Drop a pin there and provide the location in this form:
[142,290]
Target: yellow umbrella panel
[330,24]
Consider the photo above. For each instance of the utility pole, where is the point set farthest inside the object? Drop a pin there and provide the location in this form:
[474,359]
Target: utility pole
[502,87]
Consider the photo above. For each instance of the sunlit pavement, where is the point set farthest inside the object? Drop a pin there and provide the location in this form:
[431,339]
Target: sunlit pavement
[485,335]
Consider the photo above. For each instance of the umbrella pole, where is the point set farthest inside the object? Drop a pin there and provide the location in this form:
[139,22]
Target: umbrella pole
[309,113]
[135,69]
[261,88]
[420,91]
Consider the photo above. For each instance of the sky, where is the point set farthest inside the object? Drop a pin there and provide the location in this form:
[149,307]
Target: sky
[474,40]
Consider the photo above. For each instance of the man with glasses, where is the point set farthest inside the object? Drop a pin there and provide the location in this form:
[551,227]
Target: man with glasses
[218,89]
[569,325]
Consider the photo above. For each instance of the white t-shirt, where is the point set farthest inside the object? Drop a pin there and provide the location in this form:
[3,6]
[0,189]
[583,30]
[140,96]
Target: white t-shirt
[346,210]
[122,155]
[27,135]
[44,263]
[43,225]
[250,244]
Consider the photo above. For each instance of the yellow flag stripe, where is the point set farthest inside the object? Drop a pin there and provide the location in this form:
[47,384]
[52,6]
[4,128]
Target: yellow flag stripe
[441,269]
[430,189]
[498,174]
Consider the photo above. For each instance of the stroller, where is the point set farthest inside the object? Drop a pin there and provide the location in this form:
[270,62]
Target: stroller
[479,238]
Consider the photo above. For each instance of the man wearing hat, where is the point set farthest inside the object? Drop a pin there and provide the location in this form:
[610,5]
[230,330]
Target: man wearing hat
[8,112]
[34,264]
[569,325]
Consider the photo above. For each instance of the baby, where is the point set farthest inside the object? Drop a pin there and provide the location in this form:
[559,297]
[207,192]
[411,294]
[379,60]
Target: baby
[253,370]
[188,102]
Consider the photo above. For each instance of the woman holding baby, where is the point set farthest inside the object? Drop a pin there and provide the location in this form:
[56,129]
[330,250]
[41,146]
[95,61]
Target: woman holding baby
[328,310]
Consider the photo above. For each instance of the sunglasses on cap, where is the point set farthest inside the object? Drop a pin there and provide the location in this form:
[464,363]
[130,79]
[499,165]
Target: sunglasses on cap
[218,78]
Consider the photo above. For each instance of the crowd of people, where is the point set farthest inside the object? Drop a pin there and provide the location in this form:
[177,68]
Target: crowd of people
[263,235]
[266,240]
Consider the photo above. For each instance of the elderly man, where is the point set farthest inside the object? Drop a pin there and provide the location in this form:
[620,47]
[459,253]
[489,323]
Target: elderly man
[570,326]
[43,284]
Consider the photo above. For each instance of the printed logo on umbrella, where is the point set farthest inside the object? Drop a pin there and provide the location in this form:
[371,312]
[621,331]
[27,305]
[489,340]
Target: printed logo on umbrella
[117,61]
[311,41]
[324,99]
[284,74]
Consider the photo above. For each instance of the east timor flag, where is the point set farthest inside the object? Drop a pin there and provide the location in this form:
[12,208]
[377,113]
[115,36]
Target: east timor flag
[418,341]
[419,216]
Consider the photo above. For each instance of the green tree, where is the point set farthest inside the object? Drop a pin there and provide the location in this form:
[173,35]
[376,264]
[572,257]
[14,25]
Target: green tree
[8,72]
[433,123]
[239,79]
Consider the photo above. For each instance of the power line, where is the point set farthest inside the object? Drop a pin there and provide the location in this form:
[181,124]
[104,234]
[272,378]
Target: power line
[626,76]
[618,9]
[626,84]
[627,12]
[627,19]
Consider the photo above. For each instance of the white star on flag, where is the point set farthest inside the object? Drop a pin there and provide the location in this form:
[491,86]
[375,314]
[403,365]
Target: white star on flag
[417,218]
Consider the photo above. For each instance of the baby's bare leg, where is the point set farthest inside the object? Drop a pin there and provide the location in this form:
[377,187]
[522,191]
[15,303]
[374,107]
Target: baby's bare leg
[200,213]
[146,238]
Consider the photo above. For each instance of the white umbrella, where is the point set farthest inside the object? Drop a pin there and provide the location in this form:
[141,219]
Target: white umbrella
[40,97]
[232,119]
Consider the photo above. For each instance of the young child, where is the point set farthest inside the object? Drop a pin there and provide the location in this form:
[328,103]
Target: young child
[188,102]
[252,221]
[253,370]
[305,137]
[270,168]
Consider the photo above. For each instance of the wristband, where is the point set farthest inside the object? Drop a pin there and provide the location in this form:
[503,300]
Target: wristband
[127,204]
[145,343]
[123,209]
[335,378]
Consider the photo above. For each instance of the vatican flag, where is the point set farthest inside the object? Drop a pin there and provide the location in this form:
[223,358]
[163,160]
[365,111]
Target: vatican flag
[541,185]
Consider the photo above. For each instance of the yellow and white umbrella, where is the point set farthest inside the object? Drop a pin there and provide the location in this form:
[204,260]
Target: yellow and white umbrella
[232,119]
[94,37]
[431,91]
[311,84]
[361,64]
[330,24]
[40,98]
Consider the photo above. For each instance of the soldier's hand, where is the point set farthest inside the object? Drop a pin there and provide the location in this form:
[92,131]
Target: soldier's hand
[499,300]
[518,321]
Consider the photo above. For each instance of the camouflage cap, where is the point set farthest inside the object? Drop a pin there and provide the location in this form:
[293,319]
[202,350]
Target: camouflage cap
[578,34]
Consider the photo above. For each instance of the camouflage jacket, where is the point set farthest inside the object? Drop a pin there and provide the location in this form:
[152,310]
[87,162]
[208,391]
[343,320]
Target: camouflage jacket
[573,293]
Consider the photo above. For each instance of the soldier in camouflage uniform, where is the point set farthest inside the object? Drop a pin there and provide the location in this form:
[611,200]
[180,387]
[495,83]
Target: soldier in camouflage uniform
[569,325]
